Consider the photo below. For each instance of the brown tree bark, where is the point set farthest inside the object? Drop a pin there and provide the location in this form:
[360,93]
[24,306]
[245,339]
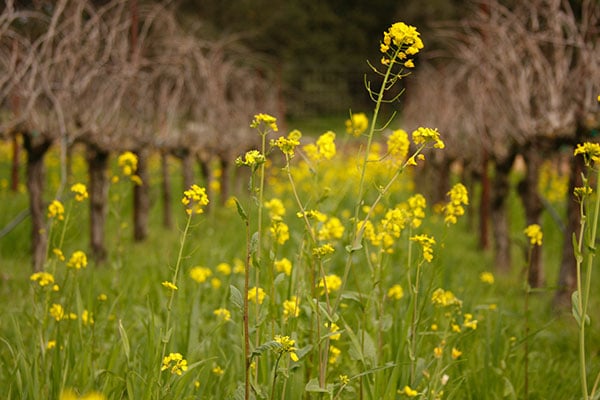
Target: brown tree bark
[187,169]
[97,159]
[533,206]
[166,191]
[225,180]
[567,276]
[141,198]
[499,214]
[36,147]
[484,203]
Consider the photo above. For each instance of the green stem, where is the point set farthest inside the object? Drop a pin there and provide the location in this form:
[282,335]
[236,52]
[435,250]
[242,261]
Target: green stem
[585,296]
[164,339]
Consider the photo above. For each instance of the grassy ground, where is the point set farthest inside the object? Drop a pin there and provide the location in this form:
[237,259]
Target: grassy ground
[137,321]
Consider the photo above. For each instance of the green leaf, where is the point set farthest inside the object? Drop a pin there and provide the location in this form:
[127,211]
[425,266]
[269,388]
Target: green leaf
[236,298]
[576,311]
[577,253]
[270,345]
[241,210]
[313,386]
[125,340]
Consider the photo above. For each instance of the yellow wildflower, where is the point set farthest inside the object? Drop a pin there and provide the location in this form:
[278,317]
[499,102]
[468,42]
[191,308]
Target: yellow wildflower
[217,370]
[458,197]
[288,144]
[175,362]
[42,278]
[344,380]
[284,265]
[323,250]
[357,124]
[286,346]
[396,292]
[256,295]
[128,163]
[444,298]
[78,260]
[291,308]
[169,285]
[590,152]
[224,268]
[409,392]
[194,199]
[456,353]
[59,254]
[398,145]
[57,311]
[279,231]
[252,159]
[427,135]
[56,210]
[266,119]
[200,274]
[326,145]
[534,233]
[222,314]
[426,243]
[487,277]
[275,207]
[331,229]
[80,191]
[334,354]
[333,283]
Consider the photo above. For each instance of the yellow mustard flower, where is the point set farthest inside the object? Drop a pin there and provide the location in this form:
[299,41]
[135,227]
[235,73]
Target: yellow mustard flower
[288,144]
[224,268]
[56,210]
[456,353]
[59,254]
[427,135]
[51,344]
[398,145]
[357,124]
[279,231]
[469,322]
[286,346]
[322,251]
[78,260]
[409,392]
[334,331]
[217,370]
[459,197]
[444,298]
[275,207]
[326,145]
[57,311]
[200,274]
[395,292]
[215,283]
[291,308]
[487,277]
[534,233]
[344,380]
[222,314]
[175,362]
[333,283]
[266,119]
[169,285]
[331,229]
[426,243]
[334,354]
[194,199]
[80,191]
[128,162]
[590,152]
[256,295]
[42,278]
[284,265]
[69,394]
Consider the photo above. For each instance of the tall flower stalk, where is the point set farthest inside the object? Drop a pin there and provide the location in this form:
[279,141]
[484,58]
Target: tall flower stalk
[584,247]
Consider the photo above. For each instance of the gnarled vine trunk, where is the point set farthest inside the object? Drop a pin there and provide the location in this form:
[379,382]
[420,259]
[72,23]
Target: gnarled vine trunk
[36,147]
[499,214]
[141,198]
[533,206]
[97,159]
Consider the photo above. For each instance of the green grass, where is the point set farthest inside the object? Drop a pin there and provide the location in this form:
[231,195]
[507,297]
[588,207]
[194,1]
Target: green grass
[120,354]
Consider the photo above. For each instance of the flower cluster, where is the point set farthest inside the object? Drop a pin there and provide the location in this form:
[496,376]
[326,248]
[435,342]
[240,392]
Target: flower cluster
[333,283]
[324,148]
[427,135]
[288,144]
[256,295]
[252,159]
[286,345]
[357,124]
[195,198]
[128,163]
[534,233]
[78,260]
[459,197]
[590,152]
[42,278]
[56,210]
[398,145]
[441,297]
[175,362]
[80,191]
[426,243]
[266,119]
[400,41]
